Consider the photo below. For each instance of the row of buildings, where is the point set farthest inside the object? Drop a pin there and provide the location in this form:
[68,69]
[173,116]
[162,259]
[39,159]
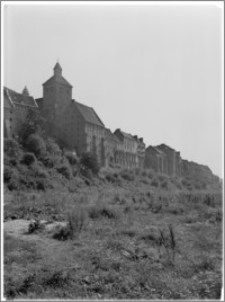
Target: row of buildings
[79,128]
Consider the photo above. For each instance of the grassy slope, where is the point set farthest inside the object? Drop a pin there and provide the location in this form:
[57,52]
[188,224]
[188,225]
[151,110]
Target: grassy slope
[117,253]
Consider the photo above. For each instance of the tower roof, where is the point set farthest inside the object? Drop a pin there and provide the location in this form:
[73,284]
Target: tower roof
[57,66]
[57,77]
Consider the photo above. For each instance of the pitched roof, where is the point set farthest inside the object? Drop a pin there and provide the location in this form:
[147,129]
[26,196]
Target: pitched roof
[14,98]
[88,114]
[155,149]
[164,146]
[60,80]
[57,66]
[124,134]
[111,136]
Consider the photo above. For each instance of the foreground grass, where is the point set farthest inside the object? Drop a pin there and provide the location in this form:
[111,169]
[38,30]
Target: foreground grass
[128,242]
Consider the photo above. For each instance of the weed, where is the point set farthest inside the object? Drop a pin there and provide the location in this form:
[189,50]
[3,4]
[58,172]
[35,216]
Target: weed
[101,210]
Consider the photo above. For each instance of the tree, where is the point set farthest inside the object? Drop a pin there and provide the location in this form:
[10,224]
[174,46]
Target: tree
[36,145]
[34,123]
[89,161]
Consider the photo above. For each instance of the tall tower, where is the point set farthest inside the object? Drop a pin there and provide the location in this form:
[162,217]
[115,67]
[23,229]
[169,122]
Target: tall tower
[57,95]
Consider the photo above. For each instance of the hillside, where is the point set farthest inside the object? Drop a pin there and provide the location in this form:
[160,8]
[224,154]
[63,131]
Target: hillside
[112,233]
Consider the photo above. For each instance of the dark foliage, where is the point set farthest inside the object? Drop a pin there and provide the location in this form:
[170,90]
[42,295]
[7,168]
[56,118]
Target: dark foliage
[89,161]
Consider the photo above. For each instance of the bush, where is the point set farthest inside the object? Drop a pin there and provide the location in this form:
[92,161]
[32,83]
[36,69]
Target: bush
[71,157]
[155,182]
[36,145]
[14,181]
[7,173]
[52,147]
[76,222]
[41,184]
[144,173]
[65,170]
[89,161]
[40,172]
[76,219]
[164,184]
[151,174]
[12,148]
[127,175]
[48,162]
[29,158]
[102,210]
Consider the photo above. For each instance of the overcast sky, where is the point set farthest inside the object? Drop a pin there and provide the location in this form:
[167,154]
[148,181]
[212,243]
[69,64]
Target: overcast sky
[151,70]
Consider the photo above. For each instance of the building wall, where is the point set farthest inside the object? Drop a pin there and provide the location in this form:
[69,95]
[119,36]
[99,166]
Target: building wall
[56,98]
[153,160]
[110,151]
[14,118]
[127,154]
[170,159]
[140,157]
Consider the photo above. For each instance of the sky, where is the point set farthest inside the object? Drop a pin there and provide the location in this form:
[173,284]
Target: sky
[152,70]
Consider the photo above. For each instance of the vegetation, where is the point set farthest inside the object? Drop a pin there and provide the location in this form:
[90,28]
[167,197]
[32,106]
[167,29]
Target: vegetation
[127,233]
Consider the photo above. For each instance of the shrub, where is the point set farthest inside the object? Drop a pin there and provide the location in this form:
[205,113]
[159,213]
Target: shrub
[7,173]
[14,181]
[164,184]
[155,182]
[36,145]
[48,162]
[144,173]
[65,170]
[76,222]
[145,181]
[76,219]
[161,177]
[29,158]
[41,172]
[102,210]
[71,157]
[89,161]
[88,173]
[12,148]
[41,184]
[52,147]
[151,174]
[127,175]
[110,178]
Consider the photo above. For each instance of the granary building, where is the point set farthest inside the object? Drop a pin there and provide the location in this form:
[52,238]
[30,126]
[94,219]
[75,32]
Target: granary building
[76,125]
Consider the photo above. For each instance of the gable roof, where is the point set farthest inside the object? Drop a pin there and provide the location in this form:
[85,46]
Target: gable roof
[88,114]
[60,80]
[111,136]
[155,150]
[124,134]
[14,98]
[165,147]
